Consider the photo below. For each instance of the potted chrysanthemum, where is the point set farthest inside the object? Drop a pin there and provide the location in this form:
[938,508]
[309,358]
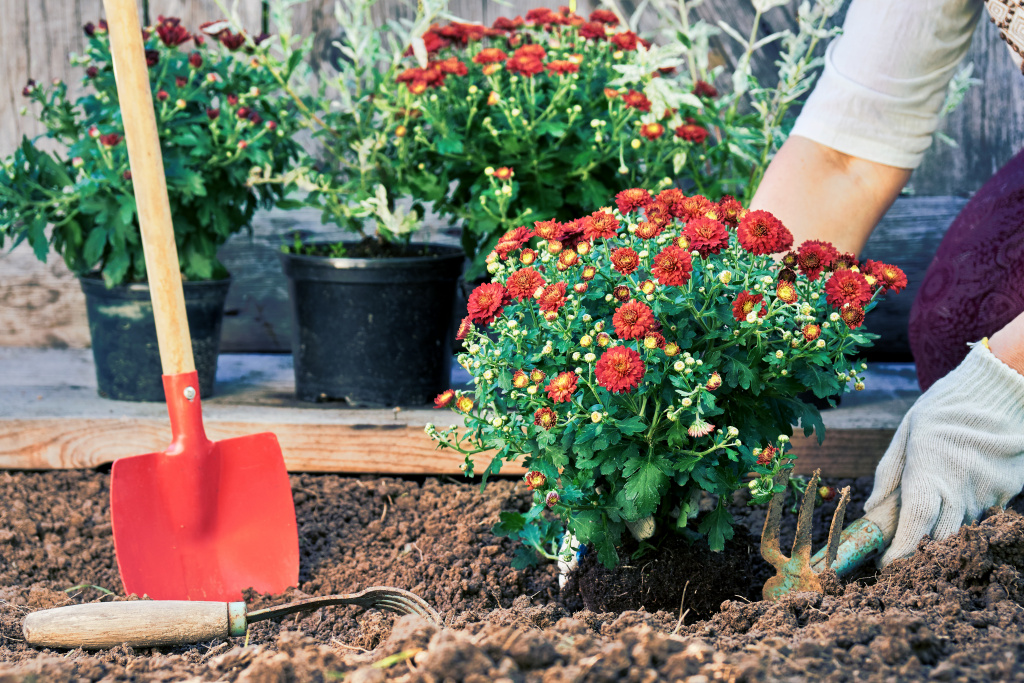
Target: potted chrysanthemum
[219,116]
[649,353]
[372,314]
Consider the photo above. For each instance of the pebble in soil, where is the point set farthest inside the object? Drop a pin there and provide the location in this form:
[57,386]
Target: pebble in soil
[952,612]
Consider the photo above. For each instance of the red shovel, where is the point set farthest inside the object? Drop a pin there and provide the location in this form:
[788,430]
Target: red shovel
[202,520]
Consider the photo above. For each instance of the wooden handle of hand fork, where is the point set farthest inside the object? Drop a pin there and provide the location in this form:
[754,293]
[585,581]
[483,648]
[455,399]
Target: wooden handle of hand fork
[136,100]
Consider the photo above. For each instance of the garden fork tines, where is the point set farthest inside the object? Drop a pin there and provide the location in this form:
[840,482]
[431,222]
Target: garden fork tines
[391,599]
[795,573]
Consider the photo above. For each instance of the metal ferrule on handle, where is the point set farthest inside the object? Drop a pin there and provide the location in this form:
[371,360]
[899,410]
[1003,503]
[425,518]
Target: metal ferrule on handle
[138,623]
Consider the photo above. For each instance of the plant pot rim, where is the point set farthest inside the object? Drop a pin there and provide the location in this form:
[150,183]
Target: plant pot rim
[96,279]
[443,252]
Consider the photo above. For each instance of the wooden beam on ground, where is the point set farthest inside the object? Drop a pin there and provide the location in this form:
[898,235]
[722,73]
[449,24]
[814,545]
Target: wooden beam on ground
[51,418]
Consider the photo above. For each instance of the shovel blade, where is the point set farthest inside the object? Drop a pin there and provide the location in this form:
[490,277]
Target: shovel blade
[206,521]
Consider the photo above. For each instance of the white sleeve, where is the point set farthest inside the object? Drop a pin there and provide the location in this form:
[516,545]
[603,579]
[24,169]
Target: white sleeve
[886,76]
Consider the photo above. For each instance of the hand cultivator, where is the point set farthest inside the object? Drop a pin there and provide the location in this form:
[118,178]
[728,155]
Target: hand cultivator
[844,551]
[151,623]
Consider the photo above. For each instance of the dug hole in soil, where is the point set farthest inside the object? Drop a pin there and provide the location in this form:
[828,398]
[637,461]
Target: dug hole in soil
[952,612]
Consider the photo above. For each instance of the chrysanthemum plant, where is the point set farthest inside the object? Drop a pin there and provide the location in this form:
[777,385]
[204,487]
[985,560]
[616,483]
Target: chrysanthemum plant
[642,354]
[221,118]
[544,98]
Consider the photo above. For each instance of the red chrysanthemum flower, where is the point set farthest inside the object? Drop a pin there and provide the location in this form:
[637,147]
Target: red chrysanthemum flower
[523,283]
[527,256]
[542,15]
[506,24]
[605,17]
[464,327]
[692,132]
[767,456]
[568,259]
[520,380]
[652,131]
[626,40]
[714,382]
[562,66]
[171,32]
[746,303]
[625,260]
[636,100]
[668,201]
[621,292]
[706,236]
[847,287]
[464,404]
[503,173]
[592,30]
[536,480]
[588,273]
[545,418]
[648,230]
[814,256]
[654,340]
[632,199]
[672,266]
[853,316]
[729,210]
[811,331]
[537,376]
[602,224]
[704,89]
[562,386]
[512,240]
[444,398]
[553,297]
[891,277]
[611,93]
[619,369]
[700,428]
[487,302]
[452,66]
[633,320]
[490,55]
[111,139]
[842,261]
[524,65]
[790,260]
[697,206]
[548,230]
[786,292]
[787,275]
[762,233]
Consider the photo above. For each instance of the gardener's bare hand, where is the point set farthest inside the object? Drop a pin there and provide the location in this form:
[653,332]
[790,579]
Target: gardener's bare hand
[958,452]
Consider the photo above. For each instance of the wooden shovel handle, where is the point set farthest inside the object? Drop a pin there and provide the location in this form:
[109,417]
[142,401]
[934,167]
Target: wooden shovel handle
[139,623]
[136,100]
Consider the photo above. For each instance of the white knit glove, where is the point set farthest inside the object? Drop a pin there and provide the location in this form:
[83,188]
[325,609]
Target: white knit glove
[958,452]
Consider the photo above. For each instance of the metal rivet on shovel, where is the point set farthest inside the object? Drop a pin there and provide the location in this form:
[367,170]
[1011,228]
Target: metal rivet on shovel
[151,623]
[203,519]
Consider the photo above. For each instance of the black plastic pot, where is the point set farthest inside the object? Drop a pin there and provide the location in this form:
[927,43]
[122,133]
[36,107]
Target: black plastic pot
[373,331]
[124,342]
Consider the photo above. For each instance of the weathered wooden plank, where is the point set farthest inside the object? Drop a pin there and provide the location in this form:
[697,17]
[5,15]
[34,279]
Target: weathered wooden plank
[50,417]
[60,443]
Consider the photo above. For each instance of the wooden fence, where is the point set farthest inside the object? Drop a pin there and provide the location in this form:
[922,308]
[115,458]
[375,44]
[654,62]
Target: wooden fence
[40,305]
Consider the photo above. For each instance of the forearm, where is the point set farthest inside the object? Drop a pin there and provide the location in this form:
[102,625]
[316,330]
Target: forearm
[1008,344]
[822,194]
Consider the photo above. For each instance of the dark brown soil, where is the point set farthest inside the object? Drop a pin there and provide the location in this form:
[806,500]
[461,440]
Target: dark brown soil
[955,611]
[368,247]
[673,575]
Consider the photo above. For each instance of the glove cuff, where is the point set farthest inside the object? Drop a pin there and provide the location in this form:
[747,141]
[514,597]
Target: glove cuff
[1003,386]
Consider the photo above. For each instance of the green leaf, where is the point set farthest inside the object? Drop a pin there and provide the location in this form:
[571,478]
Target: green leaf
[717,526]
[645,483]
[449,145]
[632,426]
[511,522]
[737,373]
[94,246]
[821,382]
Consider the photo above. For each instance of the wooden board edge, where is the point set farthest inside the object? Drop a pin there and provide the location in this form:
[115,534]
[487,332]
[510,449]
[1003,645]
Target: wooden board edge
[392,449]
